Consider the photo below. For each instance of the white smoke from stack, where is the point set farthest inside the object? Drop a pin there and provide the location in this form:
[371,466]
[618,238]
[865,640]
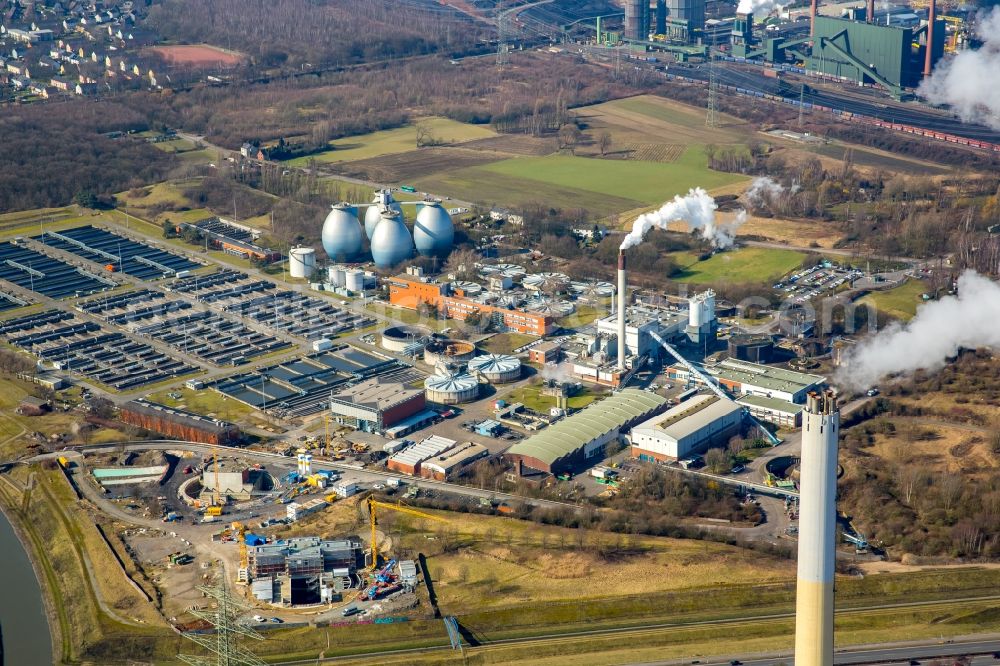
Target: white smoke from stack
[940,329]
[697,208]
[963,80]
[759,7]
[764,191]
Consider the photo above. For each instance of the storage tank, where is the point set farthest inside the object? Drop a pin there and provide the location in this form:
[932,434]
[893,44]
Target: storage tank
[496,368]
[301,262]
[451,389]
[404,339]
[383,200]
[433,231]
[342,232]
[468,288]
[354,280]
[448,351]
[391,242]
[336,275]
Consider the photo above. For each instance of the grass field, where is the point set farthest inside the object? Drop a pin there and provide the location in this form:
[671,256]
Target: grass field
[646,182]
[748,264]
[900,302]
[206,402]
[532,398]
[397,140]
[505,343]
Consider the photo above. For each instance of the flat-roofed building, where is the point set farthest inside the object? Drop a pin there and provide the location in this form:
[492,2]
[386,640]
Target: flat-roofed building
[691,426]
[409,460]
[450,463]
[376,404]
[745,378]
[773,410]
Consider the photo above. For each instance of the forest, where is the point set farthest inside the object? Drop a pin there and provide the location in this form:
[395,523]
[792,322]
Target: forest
[54,152]
[316,33]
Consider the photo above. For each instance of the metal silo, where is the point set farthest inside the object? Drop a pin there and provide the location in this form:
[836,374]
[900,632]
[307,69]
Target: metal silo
[301,262]
[383,200]
[433,231]
[342,232]
[391,240]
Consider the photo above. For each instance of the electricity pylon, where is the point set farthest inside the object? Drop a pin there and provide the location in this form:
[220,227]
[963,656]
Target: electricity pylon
[228,629]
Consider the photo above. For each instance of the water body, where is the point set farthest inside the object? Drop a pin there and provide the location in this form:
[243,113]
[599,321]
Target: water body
[24,625]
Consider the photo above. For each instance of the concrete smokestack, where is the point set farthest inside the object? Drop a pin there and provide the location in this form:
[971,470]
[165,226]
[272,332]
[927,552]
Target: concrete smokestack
[812,17]
[621,311]
[931,15]
[817,531]
[870,15]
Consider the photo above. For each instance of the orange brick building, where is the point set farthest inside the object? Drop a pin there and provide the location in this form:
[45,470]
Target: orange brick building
[410,290]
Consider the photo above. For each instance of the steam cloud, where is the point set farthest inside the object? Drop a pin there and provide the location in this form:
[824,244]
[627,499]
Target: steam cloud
[759,7]
[697,208]
[963,81]
[764,190]
[938,331]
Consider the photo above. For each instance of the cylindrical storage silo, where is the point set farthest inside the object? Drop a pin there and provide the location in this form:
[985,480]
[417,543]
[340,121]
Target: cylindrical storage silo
[342,232]
[496,368]
[391,242]
[301,262]
[404,339]
[433,231]
[336,275]
[451,389]
[448,351]
[383,200]
[354,280]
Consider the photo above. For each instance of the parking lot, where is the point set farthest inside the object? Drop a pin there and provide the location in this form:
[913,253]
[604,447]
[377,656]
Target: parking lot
[124,254]
[812,282]
[45,275]
[87,349]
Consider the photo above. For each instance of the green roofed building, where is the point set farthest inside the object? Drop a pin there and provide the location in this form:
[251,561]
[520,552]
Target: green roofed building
[578,441]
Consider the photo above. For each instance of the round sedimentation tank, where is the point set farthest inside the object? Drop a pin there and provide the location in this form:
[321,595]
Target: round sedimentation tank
[433,231]
[496,368]
[383,200]
[405,339]
[301,262]
[391,242]
[467,288]
[451,389]
[448,351]
[751,347]
[342,232]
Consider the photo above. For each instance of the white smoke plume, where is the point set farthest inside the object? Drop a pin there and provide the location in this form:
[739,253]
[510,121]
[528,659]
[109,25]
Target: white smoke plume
[759,7]
[963,81]
[697,208]
[967,320]
[764,190]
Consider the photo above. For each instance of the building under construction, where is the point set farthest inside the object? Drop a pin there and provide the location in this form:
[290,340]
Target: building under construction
[306,570]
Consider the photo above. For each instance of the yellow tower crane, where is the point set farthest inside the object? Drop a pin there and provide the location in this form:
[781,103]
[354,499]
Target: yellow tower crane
[216,508]
[241,539]
[373,504]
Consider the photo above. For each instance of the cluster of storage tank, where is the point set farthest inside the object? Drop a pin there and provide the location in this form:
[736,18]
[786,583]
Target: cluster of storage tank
[384,225]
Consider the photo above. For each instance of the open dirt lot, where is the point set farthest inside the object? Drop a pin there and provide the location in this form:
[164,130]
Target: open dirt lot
[198,55]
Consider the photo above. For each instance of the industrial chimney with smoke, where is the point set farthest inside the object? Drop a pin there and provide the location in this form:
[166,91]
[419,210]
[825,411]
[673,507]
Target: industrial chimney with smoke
[817,531]
[621,311]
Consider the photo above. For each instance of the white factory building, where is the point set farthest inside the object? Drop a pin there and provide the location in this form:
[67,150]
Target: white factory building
[768,381]
[639,322]
[690,427]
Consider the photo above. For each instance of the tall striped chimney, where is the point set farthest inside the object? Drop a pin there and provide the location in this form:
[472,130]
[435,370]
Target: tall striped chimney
[817,531]
[621,311]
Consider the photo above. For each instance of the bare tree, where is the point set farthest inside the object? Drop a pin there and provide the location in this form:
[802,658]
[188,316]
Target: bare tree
[604,142]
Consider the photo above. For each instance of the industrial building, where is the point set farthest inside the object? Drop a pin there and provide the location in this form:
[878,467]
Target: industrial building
[376,404]
[177,423]
[302,570]
[773,410]
[546,352]
[690,427]
[410,459]
[757,348]
[639,323]
[237,486]
[744,378]
[578,441]
[296,510]
[450,463]
[413,289]
[451,389]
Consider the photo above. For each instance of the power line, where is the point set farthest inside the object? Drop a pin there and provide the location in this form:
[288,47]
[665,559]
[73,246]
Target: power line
[502,47]
[712,116]
[228,629]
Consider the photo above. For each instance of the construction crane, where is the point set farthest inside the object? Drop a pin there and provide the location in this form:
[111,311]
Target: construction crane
[241,539]
[372,505]
[216,508]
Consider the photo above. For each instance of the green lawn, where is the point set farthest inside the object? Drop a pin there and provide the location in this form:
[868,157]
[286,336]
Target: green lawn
[205,402]
[748,264]
[900,302]
[533,399]
[646,182]
[399,140]
[505,343]
[656,111]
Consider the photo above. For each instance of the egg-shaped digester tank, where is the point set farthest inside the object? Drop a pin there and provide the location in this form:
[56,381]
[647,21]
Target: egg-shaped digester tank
[391,241]
[373,215]
[342,233]
[433,231]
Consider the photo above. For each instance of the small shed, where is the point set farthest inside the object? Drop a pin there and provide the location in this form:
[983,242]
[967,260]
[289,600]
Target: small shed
[32,406]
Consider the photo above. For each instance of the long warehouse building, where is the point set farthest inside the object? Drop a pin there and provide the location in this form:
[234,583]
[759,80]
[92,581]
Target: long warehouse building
[690,427]
[578,441]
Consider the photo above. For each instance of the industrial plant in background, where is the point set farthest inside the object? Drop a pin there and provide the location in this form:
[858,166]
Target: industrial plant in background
[391,242]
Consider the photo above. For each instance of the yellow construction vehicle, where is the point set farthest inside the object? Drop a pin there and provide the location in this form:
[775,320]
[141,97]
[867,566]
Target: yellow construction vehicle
[359,447]
[372,505]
